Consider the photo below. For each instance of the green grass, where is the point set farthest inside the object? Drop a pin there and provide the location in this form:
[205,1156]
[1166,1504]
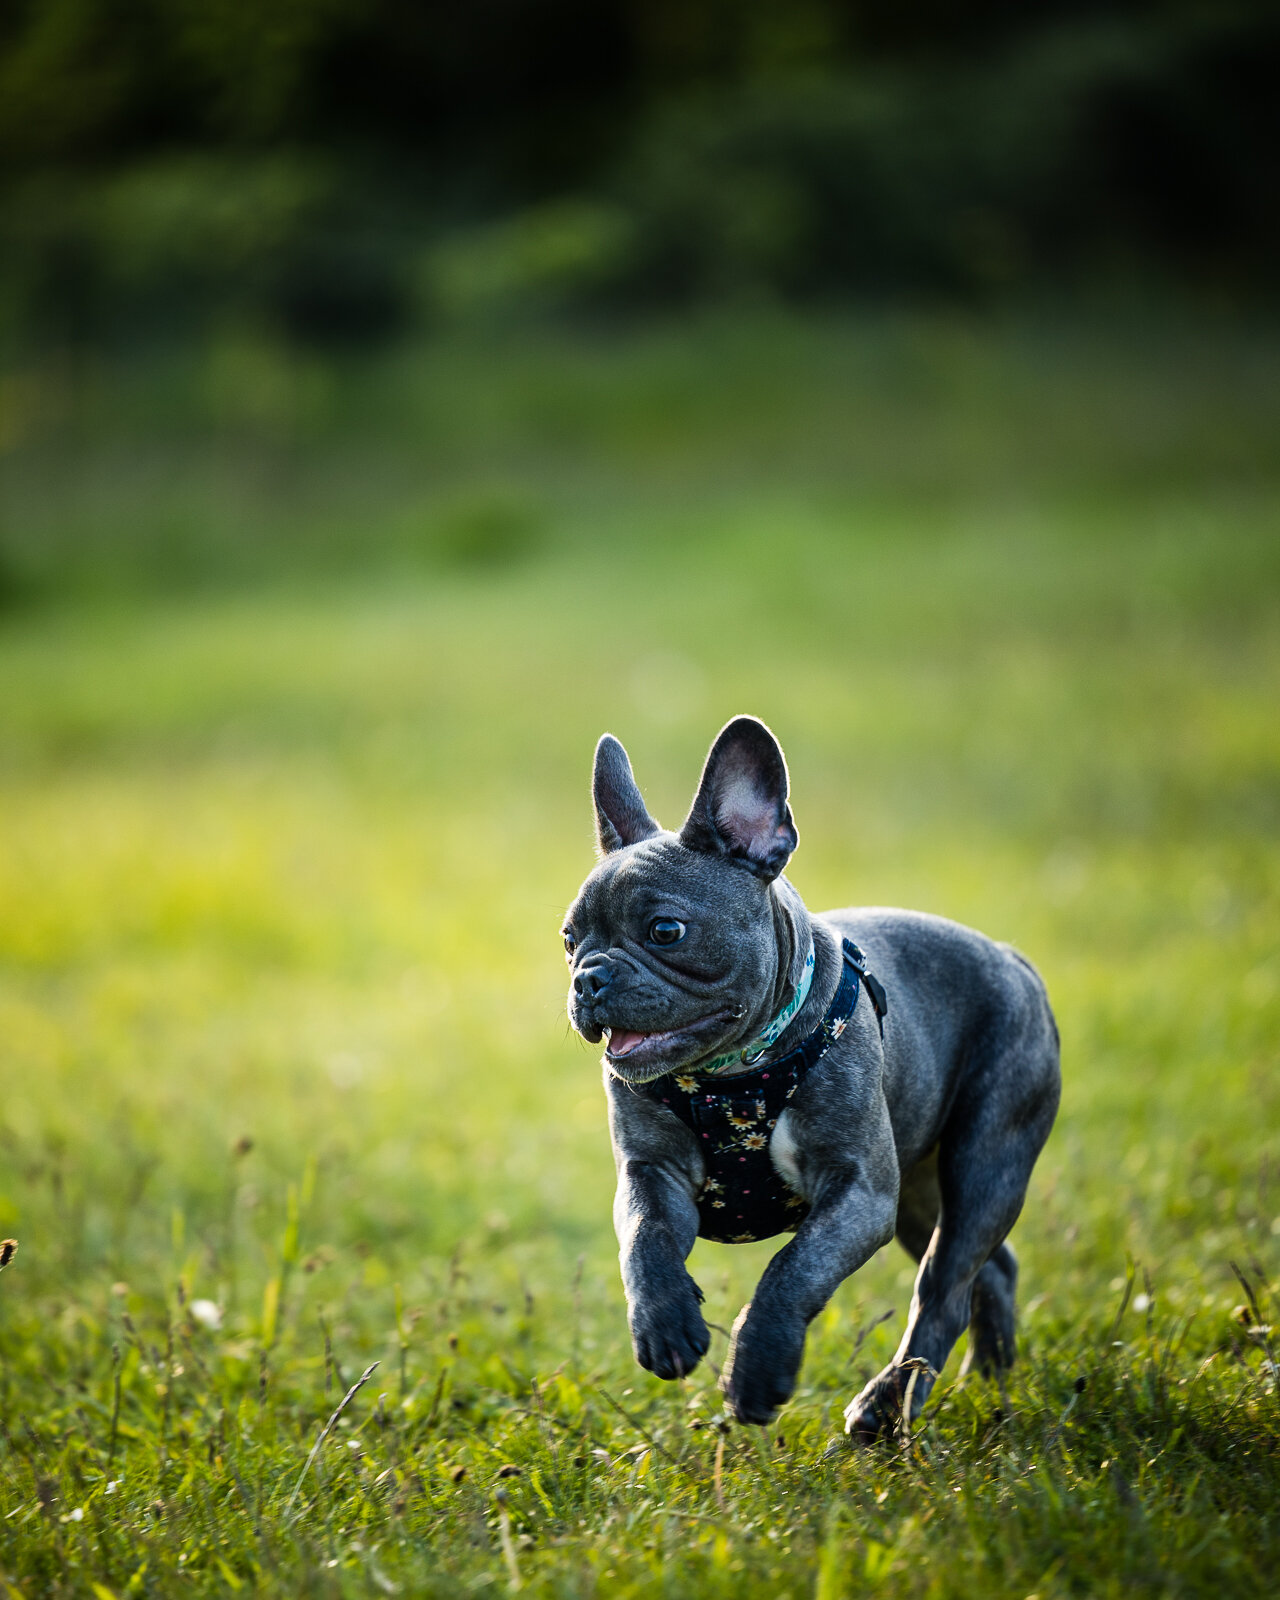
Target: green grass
[300,674]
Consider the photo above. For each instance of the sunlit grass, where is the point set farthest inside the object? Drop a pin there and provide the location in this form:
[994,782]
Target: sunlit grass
[281,872]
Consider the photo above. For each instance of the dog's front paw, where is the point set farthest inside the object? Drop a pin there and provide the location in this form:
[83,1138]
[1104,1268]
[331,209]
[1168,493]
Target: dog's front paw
[669,1336]
[761,1368]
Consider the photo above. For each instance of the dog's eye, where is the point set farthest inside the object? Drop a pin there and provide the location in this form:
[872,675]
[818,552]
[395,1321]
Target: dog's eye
[570,943]
[666,930]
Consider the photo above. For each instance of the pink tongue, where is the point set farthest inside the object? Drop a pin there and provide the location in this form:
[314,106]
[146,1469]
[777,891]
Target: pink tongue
[622,1043]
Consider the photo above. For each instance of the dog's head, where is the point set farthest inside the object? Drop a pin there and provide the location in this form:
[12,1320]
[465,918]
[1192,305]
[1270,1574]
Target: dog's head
[679,944]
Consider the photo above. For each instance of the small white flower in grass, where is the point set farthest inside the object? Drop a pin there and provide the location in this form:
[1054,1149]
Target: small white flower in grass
[206,1313]
[113,1485]
[77,1515]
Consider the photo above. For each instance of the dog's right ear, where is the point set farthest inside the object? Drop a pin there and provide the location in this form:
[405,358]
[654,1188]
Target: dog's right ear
[621,817]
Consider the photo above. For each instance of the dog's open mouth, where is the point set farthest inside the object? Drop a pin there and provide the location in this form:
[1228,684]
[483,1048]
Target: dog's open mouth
[648,1055]
[622,1042]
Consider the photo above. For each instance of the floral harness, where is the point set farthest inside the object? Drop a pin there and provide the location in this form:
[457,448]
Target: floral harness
[744,1196]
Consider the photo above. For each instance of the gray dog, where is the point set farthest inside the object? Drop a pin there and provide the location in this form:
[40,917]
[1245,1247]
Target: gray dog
[752,1092]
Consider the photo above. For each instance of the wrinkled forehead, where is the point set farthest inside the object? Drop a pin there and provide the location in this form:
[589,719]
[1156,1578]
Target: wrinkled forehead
[661,869]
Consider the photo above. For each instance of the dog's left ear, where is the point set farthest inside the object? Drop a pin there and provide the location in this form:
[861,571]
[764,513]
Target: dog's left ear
[740,809]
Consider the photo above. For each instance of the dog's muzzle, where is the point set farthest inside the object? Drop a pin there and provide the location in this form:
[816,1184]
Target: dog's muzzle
[587,996]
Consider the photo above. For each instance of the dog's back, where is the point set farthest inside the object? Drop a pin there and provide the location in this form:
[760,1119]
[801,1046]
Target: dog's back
[967,1015]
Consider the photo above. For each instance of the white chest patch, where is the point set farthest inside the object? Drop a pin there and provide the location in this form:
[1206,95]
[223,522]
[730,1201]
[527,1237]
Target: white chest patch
[784,1154]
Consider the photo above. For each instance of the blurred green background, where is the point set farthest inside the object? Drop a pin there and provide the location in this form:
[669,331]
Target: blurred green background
[392,398]
[344,172]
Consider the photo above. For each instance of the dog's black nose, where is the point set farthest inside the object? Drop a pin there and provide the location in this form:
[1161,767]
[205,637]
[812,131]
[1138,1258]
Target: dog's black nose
[592,981]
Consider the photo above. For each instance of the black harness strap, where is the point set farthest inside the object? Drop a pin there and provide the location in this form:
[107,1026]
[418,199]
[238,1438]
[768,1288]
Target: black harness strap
[875,989]
[744,1196]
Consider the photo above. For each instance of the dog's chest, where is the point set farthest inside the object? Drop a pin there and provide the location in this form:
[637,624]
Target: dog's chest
[735,1121]
[743,1196]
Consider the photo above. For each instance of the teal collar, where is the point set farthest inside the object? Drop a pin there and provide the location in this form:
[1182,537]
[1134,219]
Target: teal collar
[770,1035]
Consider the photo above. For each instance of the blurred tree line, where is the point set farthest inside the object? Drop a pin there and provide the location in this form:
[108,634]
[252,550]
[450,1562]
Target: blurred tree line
[340,167]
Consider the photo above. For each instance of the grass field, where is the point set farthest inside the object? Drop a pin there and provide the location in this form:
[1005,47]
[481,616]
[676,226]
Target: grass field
[301,666]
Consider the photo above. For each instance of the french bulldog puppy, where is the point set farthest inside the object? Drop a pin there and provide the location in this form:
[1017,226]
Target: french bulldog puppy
[844,1077]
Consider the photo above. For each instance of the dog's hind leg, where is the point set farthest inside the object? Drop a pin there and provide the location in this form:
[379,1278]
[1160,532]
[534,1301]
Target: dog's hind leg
[975,1217]
[919,1201]
[993,1135]
[991,1318]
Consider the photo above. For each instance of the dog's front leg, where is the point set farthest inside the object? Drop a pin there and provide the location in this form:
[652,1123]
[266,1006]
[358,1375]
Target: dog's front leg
[657,1222]
[849,1222]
